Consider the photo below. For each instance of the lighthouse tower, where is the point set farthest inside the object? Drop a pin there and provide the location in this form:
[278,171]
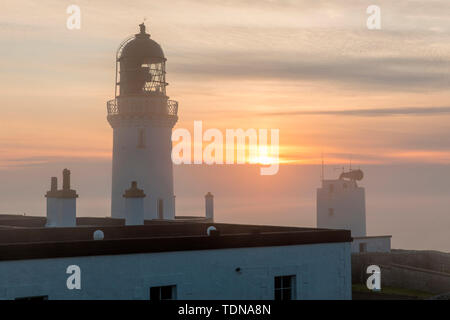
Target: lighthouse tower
[142,118]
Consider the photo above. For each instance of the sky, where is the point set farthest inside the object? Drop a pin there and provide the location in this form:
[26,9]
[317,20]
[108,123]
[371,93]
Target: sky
[311,69]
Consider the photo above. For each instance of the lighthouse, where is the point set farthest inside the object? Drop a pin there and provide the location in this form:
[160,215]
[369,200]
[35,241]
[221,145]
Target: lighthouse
[142,117]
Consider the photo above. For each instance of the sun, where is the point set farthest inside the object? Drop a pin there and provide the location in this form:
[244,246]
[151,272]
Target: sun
[263,157]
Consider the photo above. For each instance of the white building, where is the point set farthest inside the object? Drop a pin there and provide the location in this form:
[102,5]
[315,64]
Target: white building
[142,118]
[341,204]
[173,260]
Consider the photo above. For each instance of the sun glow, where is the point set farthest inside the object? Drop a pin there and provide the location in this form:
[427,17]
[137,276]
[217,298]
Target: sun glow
[263,157]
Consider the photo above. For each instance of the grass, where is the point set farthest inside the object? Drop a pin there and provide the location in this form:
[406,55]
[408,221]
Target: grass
[392,291]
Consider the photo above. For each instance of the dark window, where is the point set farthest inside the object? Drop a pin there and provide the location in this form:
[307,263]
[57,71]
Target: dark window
[34,298]
[163,293]
[160,209]
[330,211]
[362,247]
[284,288]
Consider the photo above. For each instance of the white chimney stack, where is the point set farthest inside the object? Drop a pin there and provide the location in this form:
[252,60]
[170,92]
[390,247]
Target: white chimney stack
[209,206]
[61,204]
[134,205]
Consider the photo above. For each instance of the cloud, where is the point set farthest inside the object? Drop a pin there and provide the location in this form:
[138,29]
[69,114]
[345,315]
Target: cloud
[374,112]
[377,73]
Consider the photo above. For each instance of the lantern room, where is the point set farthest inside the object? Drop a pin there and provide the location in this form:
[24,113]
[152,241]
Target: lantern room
[140,66]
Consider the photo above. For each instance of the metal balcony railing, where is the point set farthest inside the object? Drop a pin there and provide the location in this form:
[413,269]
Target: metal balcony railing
[141,108]
[111,106]
[172,107]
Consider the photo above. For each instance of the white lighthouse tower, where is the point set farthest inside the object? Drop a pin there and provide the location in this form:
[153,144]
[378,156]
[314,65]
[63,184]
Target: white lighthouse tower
[142,118]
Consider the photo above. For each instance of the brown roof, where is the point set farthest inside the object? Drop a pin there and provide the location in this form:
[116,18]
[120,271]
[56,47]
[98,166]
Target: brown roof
[26,237]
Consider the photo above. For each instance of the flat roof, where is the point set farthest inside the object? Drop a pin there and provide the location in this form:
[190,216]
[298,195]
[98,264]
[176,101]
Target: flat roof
[370,237]
[26,237]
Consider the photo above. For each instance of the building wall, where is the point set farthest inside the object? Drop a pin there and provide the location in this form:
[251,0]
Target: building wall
[67,215]
[372,244]
[348,205]
[61,212]
[52,211]
[323,271]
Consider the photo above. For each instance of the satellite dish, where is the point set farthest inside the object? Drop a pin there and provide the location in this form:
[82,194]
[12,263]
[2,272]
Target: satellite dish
[354,175]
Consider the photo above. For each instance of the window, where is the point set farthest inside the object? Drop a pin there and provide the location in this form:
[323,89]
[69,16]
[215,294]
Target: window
[330,211]
[34,298]
[285,288]
[363,247]
[154,77]
[163,293]
[331,188]
[160,209]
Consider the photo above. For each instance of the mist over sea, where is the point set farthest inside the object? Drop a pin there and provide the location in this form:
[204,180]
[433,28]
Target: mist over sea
[411,202]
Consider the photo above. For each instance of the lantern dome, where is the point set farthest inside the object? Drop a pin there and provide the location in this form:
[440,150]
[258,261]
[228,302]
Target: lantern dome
[141,48]
[141,66]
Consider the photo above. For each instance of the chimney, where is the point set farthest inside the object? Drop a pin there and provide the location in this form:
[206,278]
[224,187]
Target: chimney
[52,203]
[61,204]
[66,179]
[134,205]
[209,206]
[68,197]
[54,184]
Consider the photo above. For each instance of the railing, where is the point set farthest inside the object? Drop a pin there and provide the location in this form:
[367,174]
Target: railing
[111,106]
[141,108]
[172,107]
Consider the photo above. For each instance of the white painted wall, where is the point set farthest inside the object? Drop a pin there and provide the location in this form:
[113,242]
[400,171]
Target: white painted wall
[61,212]
[373,244]
[348,203]
[323,271]
[150,166]
[134,211]
[52,211]
[67,215]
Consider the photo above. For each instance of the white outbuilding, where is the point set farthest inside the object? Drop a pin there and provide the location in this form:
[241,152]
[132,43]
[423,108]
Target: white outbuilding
[341,204]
